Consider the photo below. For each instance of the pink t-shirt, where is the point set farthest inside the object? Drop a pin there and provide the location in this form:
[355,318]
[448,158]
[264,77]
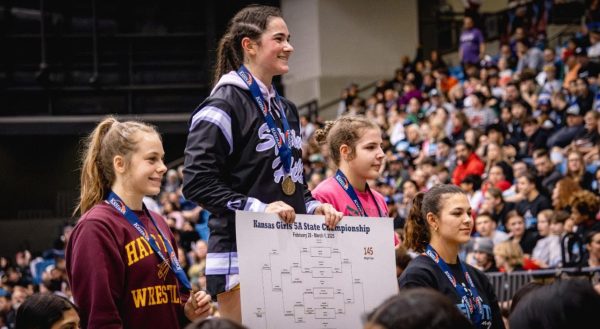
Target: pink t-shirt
[330,191]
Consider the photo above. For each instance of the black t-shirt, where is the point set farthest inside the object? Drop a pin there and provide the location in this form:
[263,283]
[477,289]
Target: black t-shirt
[587,138]
[586,102]
[492,269]
[588,70]
[530,209]
[500,216]
[587,180]
[528,241]
[536,141]
[589,226]
[424,272]
[548,182]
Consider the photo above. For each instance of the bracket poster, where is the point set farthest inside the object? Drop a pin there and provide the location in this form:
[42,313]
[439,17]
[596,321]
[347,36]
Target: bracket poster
[303,275]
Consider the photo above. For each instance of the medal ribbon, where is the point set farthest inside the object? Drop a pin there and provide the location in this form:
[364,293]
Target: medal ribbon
[474,302]
[285,152]
[346,186]
[114,200]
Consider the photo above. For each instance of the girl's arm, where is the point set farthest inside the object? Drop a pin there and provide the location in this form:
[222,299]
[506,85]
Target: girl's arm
[96,274]
[311,203]
[209,144]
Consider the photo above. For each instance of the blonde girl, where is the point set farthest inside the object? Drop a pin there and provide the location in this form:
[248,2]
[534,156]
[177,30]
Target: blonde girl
[509,256]
[576,170]
[121,258]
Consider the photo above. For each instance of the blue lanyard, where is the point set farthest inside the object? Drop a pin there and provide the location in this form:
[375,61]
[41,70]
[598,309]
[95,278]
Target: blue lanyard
[346,186]
[114,200]
[470,299]
[285,153]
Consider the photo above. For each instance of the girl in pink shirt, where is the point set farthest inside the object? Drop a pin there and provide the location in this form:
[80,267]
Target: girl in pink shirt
[355,146]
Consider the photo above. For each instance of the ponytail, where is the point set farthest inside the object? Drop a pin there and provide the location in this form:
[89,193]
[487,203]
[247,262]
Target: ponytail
[249,22]
[228,57]
[418,231]
[93,183]
[109,139]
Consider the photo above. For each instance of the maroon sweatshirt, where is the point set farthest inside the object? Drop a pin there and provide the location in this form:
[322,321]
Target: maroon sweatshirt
[113,273]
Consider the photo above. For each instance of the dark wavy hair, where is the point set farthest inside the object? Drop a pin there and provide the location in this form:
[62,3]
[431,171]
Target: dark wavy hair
[586,203]
[418,233]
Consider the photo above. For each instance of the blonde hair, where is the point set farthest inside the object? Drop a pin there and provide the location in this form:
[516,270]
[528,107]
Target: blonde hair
[109,139]
[576,175]
[511,251]
[345,130]
[546,213]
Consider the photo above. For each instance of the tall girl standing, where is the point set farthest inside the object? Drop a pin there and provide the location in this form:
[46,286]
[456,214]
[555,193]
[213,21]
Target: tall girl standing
[244,146]
[438,224]
[121,257]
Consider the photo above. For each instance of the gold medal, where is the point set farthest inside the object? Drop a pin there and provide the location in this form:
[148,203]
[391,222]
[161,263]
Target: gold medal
[288,186]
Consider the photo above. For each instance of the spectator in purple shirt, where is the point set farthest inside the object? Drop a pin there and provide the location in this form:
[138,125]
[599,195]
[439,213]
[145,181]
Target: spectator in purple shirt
[472,44]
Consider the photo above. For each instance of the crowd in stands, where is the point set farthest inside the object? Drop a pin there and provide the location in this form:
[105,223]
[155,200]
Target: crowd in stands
[518,130]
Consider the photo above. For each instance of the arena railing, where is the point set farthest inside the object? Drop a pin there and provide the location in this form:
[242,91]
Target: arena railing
[507,284]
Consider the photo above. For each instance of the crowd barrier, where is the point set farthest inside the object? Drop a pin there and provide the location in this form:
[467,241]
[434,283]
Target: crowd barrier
[507,284]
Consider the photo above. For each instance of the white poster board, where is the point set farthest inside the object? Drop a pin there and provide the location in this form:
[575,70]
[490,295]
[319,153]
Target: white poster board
[302,275]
